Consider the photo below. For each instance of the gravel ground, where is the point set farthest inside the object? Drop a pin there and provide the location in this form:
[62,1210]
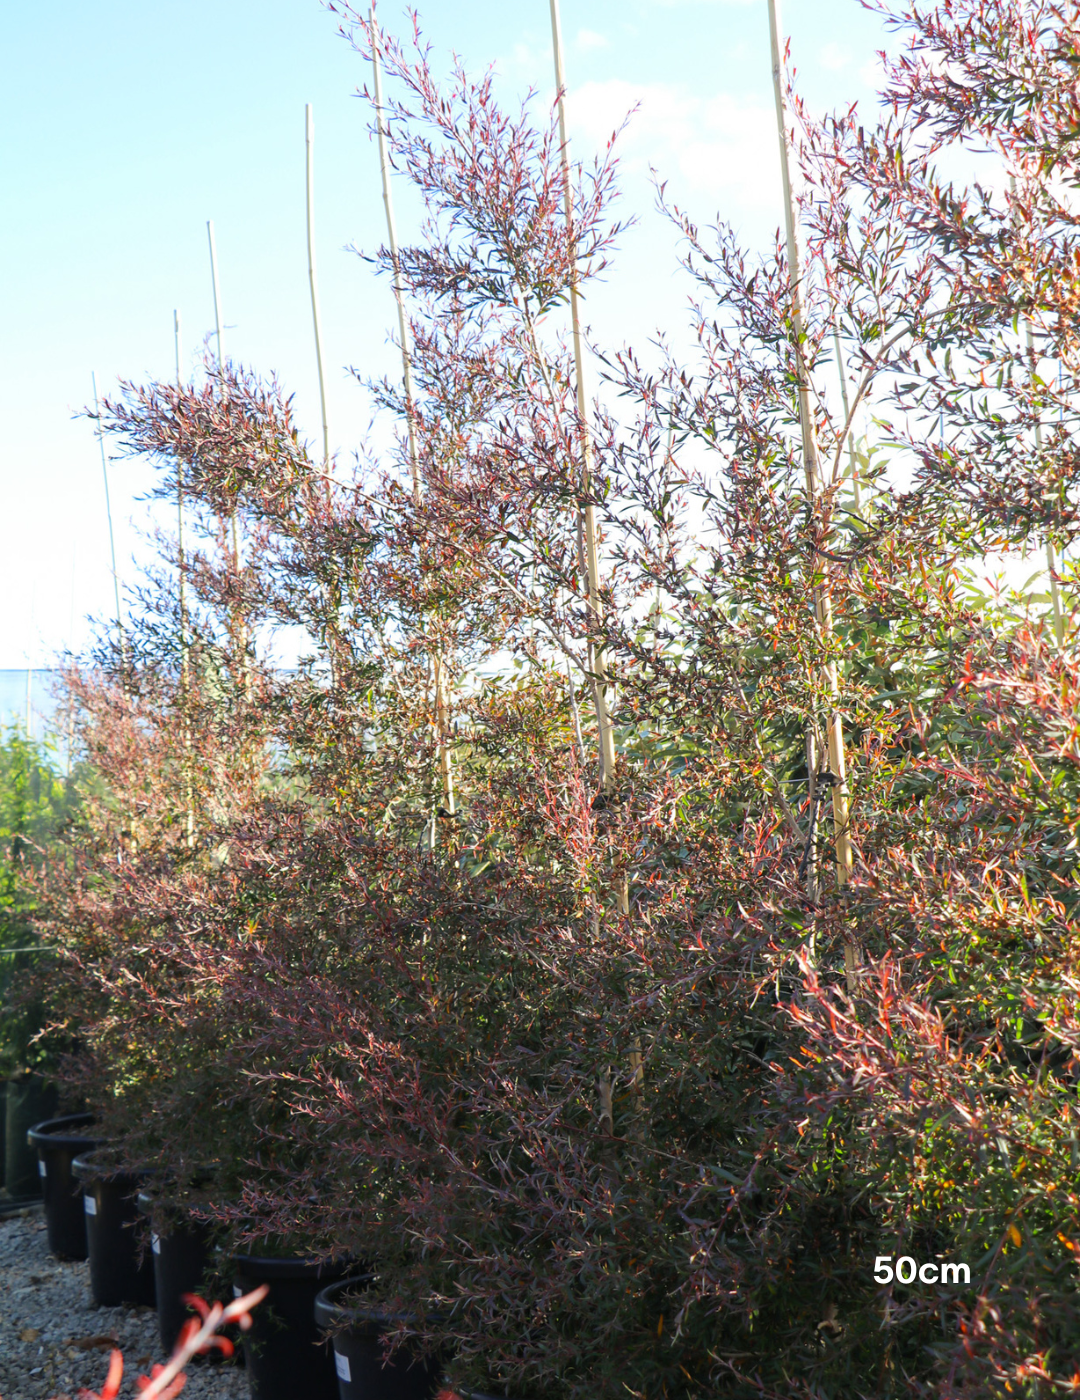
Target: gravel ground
[54,1341]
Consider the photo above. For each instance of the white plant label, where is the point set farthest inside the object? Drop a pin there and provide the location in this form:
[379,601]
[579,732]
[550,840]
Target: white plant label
[155,1242]
[42,1169]
[342,1364]
[237,1292]
[90,1205]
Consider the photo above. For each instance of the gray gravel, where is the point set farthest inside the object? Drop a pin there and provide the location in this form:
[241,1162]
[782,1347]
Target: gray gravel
[46,1311]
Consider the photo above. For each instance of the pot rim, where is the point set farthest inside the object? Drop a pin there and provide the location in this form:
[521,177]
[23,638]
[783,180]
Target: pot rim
[88,1172]
[289,1266]
[49,1134]
[330,1313]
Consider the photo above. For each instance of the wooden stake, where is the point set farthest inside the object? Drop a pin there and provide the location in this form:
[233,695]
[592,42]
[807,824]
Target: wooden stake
[587,523]
[812,471]
[391,234]
[234,527]
[221,362]
[442,729]
[853,465]
[217,290]
[185,706]
[309,126]
[1051,551]
[108,513]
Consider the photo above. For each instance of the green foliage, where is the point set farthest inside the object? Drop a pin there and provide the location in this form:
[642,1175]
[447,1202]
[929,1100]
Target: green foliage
[35,807]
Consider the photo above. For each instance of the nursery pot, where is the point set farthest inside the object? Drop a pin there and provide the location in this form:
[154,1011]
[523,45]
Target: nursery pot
[357,1334]
[58,1142]
[116,1274]
[29,1100]
[3,1134]
[473,1395]
[285,1354]
[180,1254]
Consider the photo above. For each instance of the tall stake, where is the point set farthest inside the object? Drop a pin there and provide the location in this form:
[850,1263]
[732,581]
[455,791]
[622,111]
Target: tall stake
[309,130]
[588,551]
[331,593]
[1051,551]
[853,465]
[442,725]
[185,707]
[391,234]
[71,648]
[217,290]
[587,522]
[108,513]
[233,526]
[812,470]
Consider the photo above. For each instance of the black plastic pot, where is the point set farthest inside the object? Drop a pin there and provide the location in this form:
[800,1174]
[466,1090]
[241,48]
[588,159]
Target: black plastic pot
[116,1273]
[29,1099]
[475,1395]
[285,1354]
[357,1334]
[181,1254]
[3,1139]
[57,1143]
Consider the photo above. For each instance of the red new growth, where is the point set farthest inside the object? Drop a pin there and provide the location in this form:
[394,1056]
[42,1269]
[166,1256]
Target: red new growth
[165,1382]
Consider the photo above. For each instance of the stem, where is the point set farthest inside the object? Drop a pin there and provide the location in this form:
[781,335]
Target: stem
[1051,551]
[185,704]
[441,704]
[605,731]
[391,234]
[233,526]
[852,463]
[331,593]
[217,290]
[822,593]
[310,143]
[442,724]
[112,540]
[576,717]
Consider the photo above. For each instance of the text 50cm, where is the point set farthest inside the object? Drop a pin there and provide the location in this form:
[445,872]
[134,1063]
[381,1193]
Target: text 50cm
[907,1271]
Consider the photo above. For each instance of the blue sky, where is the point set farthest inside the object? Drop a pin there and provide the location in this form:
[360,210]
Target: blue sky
[129,125]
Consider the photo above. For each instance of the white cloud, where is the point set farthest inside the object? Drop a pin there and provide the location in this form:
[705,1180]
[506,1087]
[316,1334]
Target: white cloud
[741,4]
[872,74]
[589,39]
[835,57]
[719,147]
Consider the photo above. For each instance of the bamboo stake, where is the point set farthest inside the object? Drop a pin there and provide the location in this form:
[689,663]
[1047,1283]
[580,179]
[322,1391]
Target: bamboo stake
[1051,551]
[391,234]
[811,467]
[587,517]
[233,525]
[221,362]
[442,731]
[330,593]
[853,465]
[71,647]
[309,126]
[185,706]
[108,513]
[588,550]
[217,290]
